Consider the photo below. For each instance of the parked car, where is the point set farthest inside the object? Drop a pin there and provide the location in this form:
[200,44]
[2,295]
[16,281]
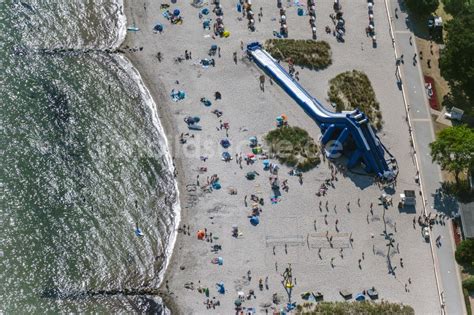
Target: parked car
[426,233]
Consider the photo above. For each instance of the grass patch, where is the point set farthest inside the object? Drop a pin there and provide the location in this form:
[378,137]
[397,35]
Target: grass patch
[465,294]
[306,53]
[294,147]
[354,308]
[352,89]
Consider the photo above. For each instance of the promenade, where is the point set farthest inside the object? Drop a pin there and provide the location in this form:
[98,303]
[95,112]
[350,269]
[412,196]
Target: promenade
[421,121]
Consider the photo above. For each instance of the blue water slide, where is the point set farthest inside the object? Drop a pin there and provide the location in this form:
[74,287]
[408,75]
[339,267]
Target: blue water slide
[337,128]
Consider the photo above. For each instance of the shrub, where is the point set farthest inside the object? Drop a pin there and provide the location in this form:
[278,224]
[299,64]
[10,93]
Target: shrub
[294,147]
[306,53]
[468,283]
[356,308]
[352,89]
[465,252]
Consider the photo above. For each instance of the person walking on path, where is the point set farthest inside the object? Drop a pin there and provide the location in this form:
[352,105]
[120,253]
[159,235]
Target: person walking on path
[262,83]
[410,40]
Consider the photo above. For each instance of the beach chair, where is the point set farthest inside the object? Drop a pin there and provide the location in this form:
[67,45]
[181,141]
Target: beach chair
[345,294]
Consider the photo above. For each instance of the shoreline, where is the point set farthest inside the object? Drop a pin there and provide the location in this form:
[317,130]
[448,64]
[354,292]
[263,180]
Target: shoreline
[125,60]
[252,112]
[158,95]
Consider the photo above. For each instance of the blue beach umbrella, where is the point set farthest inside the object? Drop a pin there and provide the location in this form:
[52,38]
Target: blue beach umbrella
[254,220]
[225,143]
[360,297]
[176,12]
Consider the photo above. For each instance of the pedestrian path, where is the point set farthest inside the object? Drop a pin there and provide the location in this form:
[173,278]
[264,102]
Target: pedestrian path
[430,173]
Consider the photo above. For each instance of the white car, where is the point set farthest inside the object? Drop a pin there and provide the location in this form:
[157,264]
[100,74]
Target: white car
[426,233]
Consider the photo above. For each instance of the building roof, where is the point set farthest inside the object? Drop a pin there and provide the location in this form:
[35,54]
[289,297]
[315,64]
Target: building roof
[467,217]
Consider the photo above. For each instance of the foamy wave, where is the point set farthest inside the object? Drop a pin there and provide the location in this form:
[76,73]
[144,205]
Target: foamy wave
[129,68]
[121,24]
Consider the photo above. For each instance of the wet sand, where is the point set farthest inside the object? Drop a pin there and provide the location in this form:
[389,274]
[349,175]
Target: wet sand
[295,227]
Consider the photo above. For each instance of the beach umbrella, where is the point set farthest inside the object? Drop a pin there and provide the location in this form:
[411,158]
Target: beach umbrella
[253,140]
[254,220]
[201,234]
[176,12]
[158,27]
[205,11]
[225,143]
[226,156]
[360,297]
[266,164]
[238,302]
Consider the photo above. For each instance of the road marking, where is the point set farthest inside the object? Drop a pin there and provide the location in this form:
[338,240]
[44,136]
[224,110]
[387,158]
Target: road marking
[421,119]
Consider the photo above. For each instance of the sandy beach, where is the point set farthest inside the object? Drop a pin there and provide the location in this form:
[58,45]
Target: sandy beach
[294,229]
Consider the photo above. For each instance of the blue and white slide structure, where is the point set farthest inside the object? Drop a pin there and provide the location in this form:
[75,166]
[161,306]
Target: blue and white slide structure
[350,128]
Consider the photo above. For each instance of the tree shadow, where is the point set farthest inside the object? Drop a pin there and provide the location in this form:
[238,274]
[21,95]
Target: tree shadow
[418,24]
[445,202]
[407,209]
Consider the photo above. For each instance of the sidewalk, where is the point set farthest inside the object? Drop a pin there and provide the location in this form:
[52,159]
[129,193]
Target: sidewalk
[430,173]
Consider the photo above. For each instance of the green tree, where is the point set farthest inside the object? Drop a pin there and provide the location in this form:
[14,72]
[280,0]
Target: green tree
[422,7]
[457,59]
[454,149]
[468,283]
[456,7]
[465,252]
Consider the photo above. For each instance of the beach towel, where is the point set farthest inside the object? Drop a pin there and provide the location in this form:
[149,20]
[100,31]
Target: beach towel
[275,200]
[220,287]
[277,34]
[166,14]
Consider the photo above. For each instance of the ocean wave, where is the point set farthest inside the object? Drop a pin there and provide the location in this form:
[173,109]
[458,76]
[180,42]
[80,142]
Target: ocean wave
[135,74]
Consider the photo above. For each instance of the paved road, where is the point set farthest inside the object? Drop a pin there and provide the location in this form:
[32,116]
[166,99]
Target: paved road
[430,173]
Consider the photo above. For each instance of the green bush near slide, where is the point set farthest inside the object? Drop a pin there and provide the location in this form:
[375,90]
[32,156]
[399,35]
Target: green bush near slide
[305,53]
[352,89]
[294,147]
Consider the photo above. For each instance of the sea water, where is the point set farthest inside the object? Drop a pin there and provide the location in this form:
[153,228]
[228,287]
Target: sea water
[83,161]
